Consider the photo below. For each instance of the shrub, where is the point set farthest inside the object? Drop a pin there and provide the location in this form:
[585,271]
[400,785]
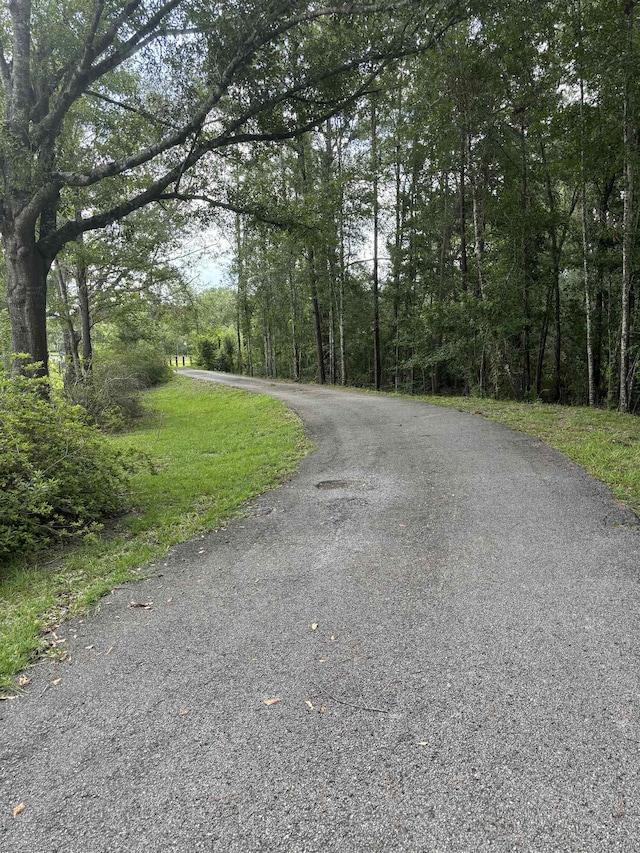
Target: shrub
[217,354]
[110,397]
[148,363]
[111,393]
[58,476]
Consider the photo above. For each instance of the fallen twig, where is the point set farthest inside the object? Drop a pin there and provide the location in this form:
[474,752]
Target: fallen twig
[359,707]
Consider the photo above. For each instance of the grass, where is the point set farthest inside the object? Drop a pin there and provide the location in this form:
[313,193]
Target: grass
[606,444]
[211,449]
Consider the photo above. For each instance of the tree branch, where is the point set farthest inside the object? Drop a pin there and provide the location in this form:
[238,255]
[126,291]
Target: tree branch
[154,119]
[257,213]
[84,75]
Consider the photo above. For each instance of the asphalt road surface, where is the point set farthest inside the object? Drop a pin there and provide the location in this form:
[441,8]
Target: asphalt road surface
[449,615]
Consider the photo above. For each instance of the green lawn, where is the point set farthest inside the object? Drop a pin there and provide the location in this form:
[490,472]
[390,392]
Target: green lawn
[211,449]
[606,444]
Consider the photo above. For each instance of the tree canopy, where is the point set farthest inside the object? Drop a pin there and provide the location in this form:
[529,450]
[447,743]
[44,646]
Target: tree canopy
[110,107]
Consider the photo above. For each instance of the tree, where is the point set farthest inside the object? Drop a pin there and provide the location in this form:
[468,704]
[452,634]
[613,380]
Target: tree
[110,107]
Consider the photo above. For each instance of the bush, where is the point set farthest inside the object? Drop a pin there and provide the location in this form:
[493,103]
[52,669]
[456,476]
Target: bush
[110,397]
[217,354]
[111,393]
[58,476]
[148,363]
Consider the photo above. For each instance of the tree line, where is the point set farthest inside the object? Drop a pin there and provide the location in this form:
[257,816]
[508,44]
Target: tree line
[469,225]
[422,196]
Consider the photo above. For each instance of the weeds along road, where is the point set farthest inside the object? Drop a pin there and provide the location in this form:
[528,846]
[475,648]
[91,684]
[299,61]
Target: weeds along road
[449,615]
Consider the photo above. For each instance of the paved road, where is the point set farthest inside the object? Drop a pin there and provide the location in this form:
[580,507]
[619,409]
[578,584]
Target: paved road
[472,682]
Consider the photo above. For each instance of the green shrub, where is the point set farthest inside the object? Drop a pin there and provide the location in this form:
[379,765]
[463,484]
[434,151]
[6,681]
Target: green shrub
[58,476]
[111,397]
[148,363]
[216,354]
[111,393]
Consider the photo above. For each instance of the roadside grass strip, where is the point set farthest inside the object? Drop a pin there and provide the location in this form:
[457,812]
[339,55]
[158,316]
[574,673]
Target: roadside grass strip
[604,443]
[209,449]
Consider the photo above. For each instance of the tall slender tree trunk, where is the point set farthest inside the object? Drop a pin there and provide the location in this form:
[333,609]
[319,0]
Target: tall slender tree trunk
[240,295]
[315,309]
[73,371]
[303,157]
[295,353]
[84,305]
[377,358]
[525,260]
[588,303]
[627,215]
[478,236]
[464,260]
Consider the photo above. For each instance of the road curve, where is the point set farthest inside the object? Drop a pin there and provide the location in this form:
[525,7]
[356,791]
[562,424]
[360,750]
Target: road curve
[449,614]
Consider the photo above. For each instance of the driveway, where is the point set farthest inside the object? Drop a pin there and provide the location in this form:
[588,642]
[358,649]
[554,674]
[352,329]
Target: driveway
[448,615]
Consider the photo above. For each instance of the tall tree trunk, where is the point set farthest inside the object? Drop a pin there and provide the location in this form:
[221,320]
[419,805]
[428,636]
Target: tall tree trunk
[303,158]
[602,297]
[525,260]
[543,340]
[295,355]
[588,302]
[342,269]
[377,358]
[627,215]
[478,236]
[241,294]
[464,260]
[239,341]
[315,309]
[73,372]
[85,317]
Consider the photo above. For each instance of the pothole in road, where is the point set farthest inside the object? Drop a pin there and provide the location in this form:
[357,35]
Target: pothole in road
[343,484]
[258,512]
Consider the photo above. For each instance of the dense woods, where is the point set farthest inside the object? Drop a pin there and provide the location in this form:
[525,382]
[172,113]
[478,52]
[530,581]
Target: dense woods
[420,196]
[469,226]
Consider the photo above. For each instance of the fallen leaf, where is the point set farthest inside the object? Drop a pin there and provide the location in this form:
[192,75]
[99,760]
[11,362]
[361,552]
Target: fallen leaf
[269,702]
[63,656]
[323,709]
[5,697]
[56,681]
[183,713]
[109,650]
[146,605]
[402,525]
[314,626]
[309,704]
[18,810]
[322,660]
[24,680]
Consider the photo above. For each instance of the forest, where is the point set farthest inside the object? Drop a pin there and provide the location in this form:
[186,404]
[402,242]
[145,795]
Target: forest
[425,197]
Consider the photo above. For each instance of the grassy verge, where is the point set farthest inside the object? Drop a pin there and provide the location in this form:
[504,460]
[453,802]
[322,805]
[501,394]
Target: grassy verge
[211,449]
[606,444]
